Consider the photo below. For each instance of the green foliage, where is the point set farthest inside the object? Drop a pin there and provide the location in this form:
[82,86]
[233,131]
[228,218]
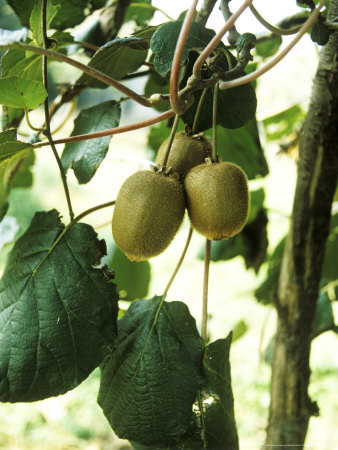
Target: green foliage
[12,154]
[69,14]
[282,124]
[324,319]
[150,380]
[16,62]
[117,58]
[57,312]
[141,11]
[269,46]
[35,19]
[86,157]
[132,278]
[220,427]
[21,93]
[242,146]
[163,43]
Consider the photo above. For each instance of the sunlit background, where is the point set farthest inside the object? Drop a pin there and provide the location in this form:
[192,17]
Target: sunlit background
[74,420]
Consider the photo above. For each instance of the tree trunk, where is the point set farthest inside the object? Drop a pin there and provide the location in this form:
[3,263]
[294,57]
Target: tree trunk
[291,407]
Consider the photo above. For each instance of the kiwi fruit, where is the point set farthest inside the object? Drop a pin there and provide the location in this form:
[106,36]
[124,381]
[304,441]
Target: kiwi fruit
[186,152]
[217,199]
[148,212]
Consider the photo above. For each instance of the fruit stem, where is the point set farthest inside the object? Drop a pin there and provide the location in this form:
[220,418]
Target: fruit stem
[199,110]
[214,124]
[165,292]
[171,140]
[93,209]
[205,290]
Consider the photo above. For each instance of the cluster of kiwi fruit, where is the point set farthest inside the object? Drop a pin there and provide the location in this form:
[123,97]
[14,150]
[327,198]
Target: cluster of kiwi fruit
[150,205]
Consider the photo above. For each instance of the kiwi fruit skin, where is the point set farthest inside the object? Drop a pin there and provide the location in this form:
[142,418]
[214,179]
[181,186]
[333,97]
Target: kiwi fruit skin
[217,199]
[186,152]
[148,212]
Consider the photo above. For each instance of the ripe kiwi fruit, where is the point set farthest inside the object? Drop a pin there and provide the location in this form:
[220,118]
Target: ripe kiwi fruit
[217,199]
[186,152]
[148,212]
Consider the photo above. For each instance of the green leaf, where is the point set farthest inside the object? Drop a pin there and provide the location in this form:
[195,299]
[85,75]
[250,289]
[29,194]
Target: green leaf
[220,425]
[116,59]
[283,123]
[85,157]
[239,330]
[163,43]
[331,252]
[57,312]
[12,155]
[131,277]
[141,11]
[156,84]
[242,146]
[11,117]
[319,32]
[269,46]
[20,93]
[70,12]
[324,319]
[150,380]
[9,36]
[16,62]
[35,19]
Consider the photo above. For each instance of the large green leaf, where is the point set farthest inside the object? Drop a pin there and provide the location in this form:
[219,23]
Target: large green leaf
[21,93]
[131,277]
[150,380]
[163,43]
[220,425]
[116,59]
[269,46]
[57,312]
[282,124]
[85,157]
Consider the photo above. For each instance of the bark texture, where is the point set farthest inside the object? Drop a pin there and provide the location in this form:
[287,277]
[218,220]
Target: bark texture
[291,407]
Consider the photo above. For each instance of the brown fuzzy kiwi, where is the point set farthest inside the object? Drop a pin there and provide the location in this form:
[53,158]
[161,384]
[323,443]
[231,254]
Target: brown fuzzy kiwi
[148,212]
[217,199]
[186,152]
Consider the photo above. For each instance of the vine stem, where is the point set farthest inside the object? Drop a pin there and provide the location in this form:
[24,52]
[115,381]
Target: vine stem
[86,69]
[205,291]
[47,130]
[93,209]
[276,59]
[180,261]
[214,124]
[175,102]
[111,131]
[272,28]
[199,110]
[171,140]
[217,39]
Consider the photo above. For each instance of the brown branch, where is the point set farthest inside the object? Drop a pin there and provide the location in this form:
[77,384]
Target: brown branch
[304,255]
